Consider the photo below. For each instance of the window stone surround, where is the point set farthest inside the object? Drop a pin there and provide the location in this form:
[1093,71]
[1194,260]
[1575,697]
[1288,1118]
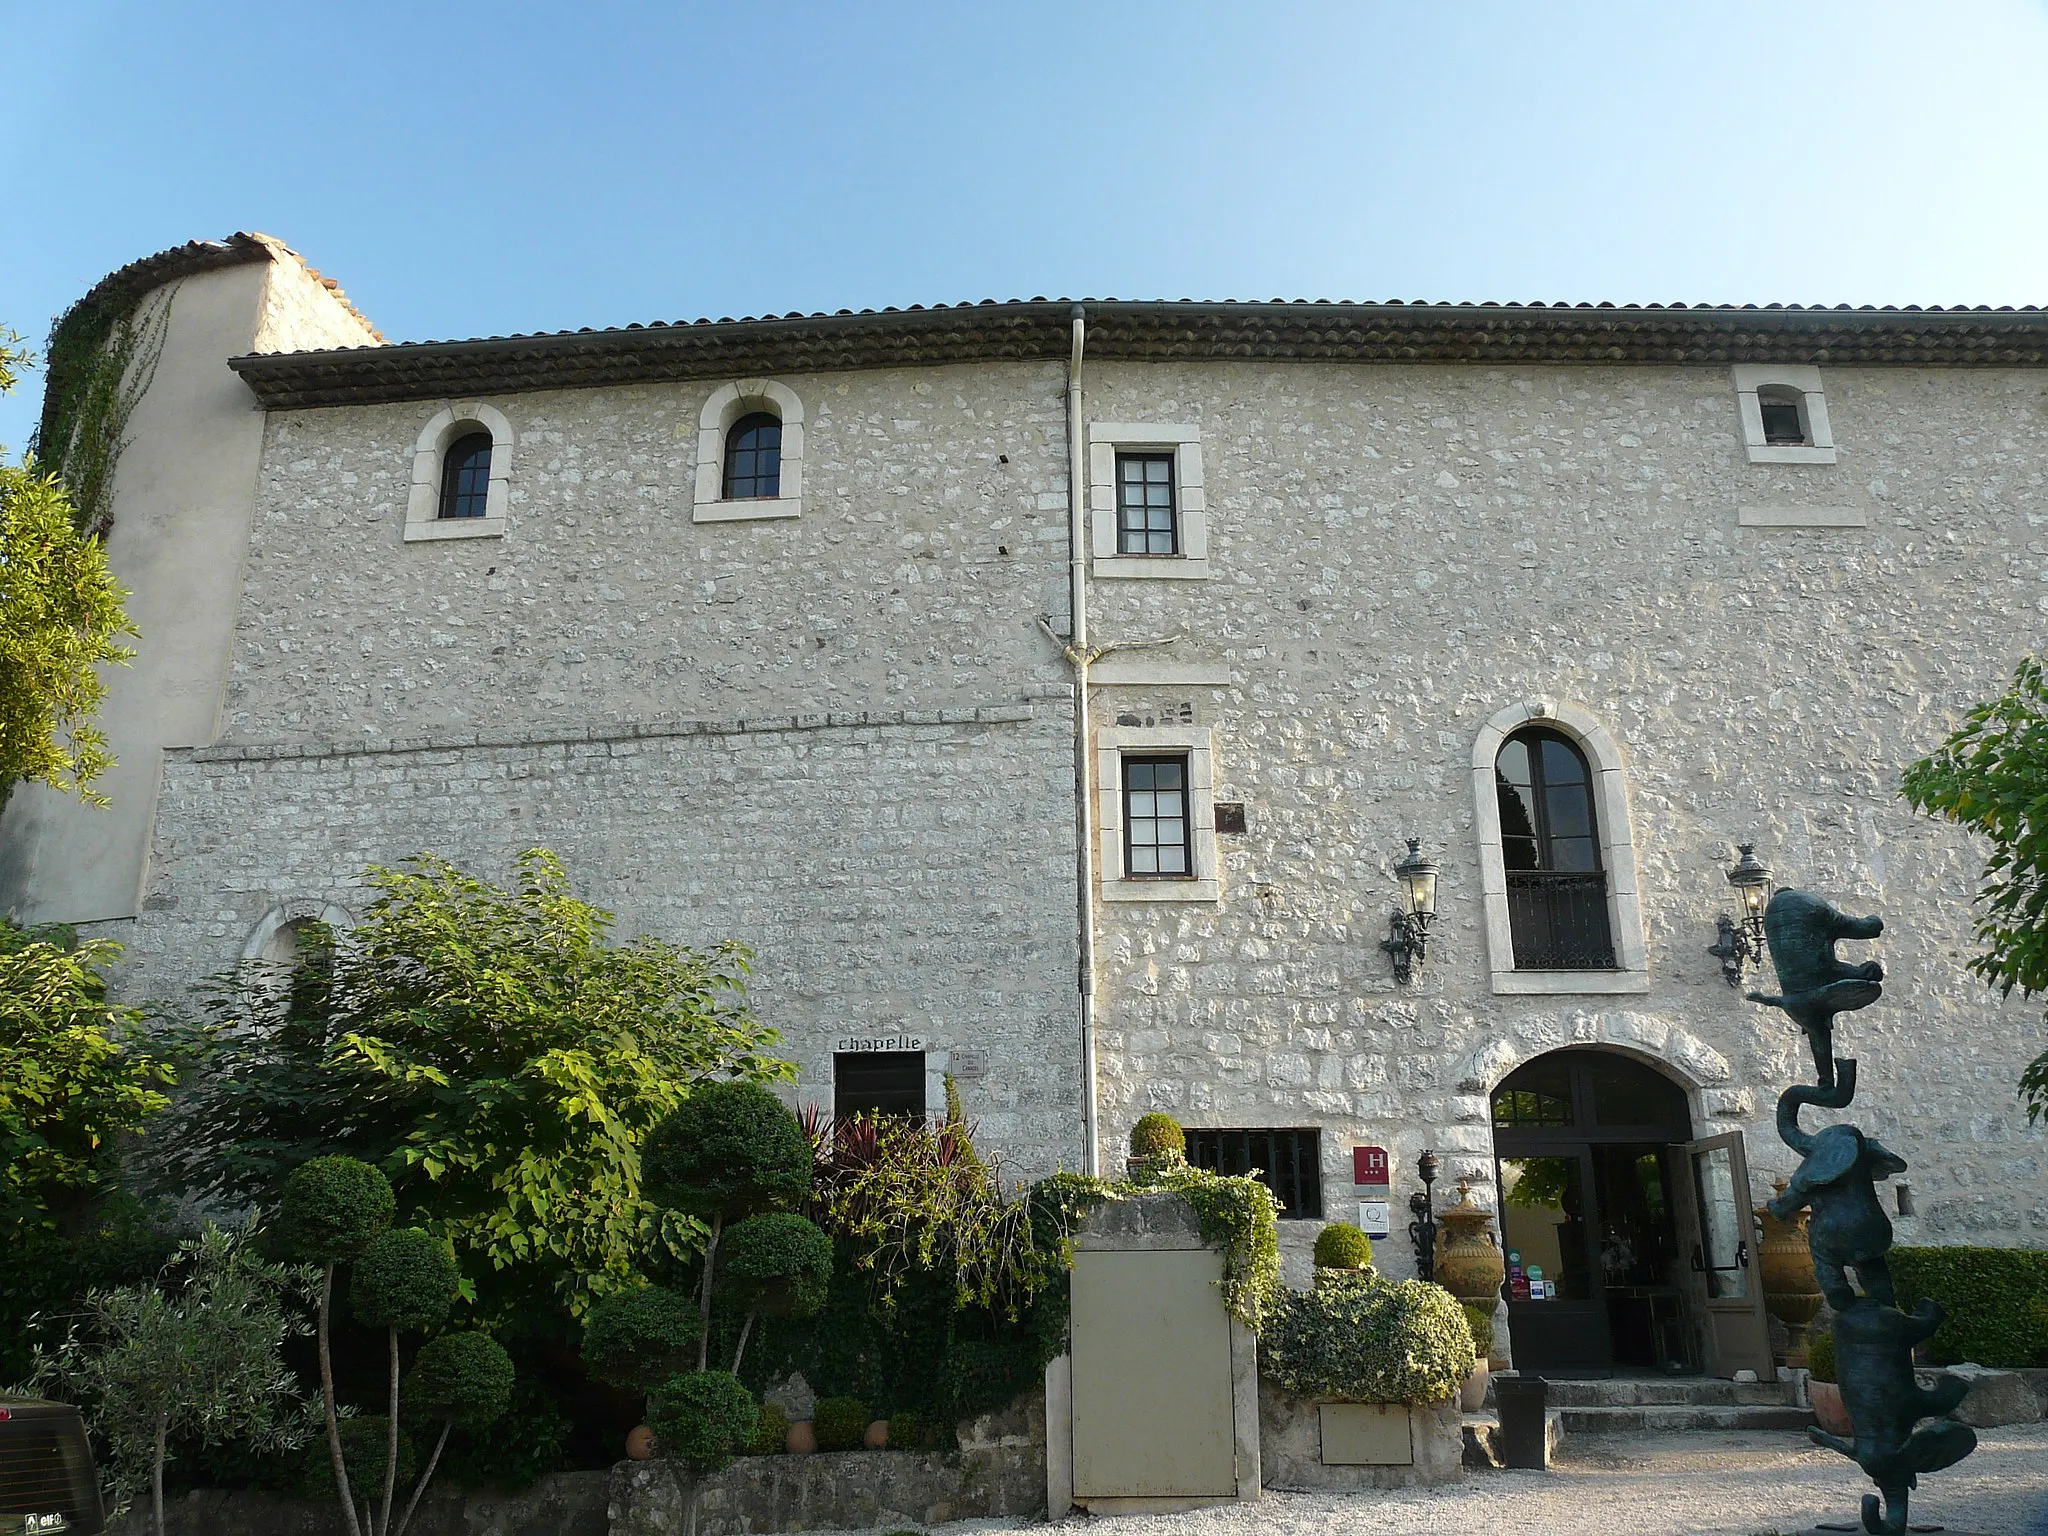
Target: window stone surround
[1802,379]
[1112,744]
[726,405]
[455,420]
[1617,853]
[1191,504]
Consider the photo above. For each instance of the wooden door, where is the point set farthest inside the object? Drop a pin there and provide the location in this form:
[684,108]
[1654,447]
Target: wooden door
[1153,1407]
[1727,1285]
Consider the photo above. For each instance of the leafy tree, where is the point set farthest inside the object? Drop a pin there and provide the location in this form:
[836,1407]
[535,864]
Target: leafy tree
[459,1378]
[498,1056]
[331,1210]
[196,1355]
[60,619]
[72,1083]
[730,1151]
[405,1280]
[1991,775]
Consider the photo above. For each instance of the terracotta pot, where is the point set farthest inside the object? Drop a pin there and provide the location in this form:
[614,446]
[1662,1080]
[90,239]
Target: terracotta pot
[1791,1293]
[877,1437]
[1472,1396]
[1468,1264]
[640,1443]
[1828,1409]
[803,1440]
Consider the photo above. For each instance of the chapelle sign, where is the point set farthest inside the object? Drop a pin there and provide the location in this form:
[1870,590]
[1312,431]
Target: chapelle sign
[858,1045]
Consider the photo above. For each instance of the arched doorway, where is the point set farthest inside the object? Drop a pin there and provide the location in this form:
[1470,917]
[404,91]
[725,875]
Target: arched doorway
[1628,1242]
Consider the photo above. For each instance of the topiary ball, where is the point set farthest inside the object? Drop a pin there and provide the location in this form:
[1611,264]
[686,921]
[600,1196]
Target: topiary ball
[840,1423]
[459,1378]
[730,1149]
[638,1339]
[331,1209]
[405,1279]
[704,1418]
[1479,1318]
[771,1434]
[1157,1135]
[1340,1245]
[778,1264]
[1820,1356]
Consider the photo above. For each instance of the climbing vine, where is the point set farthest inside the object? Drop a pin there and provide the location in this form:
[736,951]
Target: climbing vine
[102,357]
[1239,1215]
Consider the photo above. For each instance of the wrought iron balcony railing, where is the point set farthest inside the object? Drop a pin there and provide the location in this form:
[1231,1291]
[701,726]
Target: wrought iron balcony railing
[1559,918]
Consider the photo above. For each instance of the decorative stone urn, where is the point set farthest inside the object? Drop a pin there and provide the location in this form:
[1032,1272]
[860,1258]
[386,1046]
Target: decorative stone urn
[1469,1263]
[1791,1292]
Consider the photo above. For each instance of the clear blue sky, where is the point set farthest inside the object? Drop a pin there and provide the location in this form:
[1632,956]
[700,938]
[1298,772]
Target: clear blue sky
[469,169]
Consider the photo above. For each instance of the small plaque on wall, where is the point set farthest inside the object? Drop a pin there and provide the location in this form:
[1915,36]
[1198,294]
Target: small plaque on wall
[1229,815]
[1371,1174]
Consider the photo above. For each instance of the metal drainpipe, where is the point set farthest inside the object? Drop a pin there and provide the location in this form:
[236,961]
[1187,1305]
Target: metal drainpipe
[1078,655]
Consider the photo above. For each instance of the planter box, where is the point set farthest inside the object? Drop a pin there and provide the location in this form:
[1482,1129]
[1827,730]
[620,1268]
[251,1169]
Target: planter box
[1318,1444]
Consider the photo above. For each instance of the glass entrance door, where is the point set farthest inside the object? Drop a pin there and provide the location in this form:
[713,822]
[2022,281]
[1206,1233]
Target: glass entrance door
[1556,1314]
[1726,1286]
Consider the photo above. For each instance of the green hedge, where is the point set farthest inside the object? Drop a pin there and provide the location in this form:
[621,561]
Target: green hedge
[1996,1300]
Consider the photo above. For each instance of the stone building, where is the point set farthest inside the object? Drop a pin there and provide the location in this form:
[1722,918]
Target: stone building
[773,629]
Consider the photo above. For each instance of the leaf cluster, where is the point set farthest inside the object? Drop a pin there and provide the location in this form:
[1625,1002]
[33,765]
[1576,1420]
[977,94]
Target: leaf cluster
[704,1418]
[729,1151]
[103,354]
[1996,1300]
[776,1264]
[637,1339]
[497,1055]
[1240,1216]
[460,1378]
[73,1079]
[405,1279]
[1341,1245]
[1361,1337]
[1991,775]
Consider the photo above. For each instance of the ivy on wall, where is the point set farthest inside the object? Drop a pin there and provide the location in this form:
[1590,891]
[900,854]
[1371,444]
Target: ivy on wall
[102,358]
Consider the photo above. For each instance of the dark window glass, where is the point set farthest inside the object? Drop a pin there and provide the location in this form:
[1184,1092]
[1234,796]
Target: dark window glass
[1156,817]
[1550,846]
[1145,515]
[1537,1097]
[877,1083]
[466,476]
[1286,1162]
[1626,1093]
[1781,418]
[753,458]
[1543,1222]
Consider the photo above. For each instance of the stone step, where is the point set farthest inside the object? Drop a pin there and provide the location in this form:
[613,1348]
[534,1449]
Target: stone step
[1665,1417]
[1669,1391]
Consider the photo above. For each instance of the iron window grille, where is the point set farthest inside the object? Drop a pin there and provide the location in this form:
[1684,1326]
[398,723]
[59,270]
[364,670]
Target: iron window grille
[1288,1162]
[878,1083]
[1156,842]
[753,458]
[1147,515]
[1550,847]
[466,476]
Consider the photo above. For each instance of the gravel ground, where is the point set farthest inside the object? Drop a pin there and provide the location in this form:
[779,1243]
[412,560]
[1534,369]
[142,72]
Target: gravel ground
[1695,1484]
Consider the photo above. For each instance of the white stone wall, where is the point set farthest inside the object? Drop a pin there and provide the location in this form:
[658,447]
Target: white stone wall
[894,873]
[1398,554]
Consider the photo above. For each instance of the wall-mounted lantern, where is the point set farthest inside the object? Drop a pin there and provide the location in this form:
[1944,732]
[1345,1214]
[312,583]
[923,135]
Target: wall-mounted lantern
[1422,1230]
[1408,939]
[1741,940]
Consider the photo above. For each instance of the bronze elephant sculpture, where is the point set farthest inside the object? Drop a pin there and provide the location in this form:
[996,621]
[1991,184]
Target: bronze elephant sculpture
[1815,984]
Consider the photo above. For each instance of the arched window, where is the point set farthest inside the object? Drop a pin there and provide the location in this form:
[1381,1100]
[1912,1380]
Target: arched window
[1550,850]
[1783,410]
[466,476]
[753,458]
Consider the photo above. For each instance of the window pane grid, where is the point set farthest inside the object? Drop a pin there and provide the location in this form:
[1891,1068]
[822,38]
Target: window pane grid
[466,477]
[1146,514]
[753,458]
[1156,817]
[1288,1162]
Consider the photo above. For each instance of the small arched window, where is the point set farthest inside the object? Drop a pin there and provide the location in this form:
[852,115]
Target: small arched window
[753,458]
[466,476]
[1784,415]
[1550,850]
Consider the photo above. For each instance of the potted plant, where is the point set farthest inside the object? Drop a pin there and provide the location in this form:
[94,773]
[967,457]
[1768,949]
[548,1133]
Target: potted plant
[1828,1409]
[1157,1143]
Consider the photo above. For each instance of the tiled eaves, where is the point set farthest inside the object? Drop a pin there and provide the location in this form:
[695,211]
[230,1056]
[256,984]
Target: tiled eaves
[1121,330]
[607,735]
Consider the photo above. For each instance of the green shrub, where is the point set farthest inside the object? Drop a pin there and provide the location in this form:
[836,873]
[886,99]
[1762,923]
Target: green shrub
[1996,1300]
[459,1378]
[1340,1245]
[911,1432]
[840,1423]
[730,1150]
[1479,1318]
[530,1441]
[639,1338]
[1361,1337]
[1157,1135]
[405,1279]
[777,1264]
[704,1418]
[771,1432]
[978,1376]
[363,1441]
[331,1209]
[1820,1355]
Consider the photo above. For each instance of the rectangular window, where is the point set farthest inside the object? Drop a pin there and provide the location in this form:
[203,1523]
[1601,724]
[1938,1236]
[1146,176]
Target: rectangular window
[1287,1162]
[1146,520]
[1156,817]
[878,1083]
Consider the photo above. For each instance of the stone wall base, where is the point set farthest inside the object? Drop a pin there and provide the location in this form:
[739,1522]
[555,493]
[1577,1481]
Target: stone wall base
[1291,1450]
[560,1504]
